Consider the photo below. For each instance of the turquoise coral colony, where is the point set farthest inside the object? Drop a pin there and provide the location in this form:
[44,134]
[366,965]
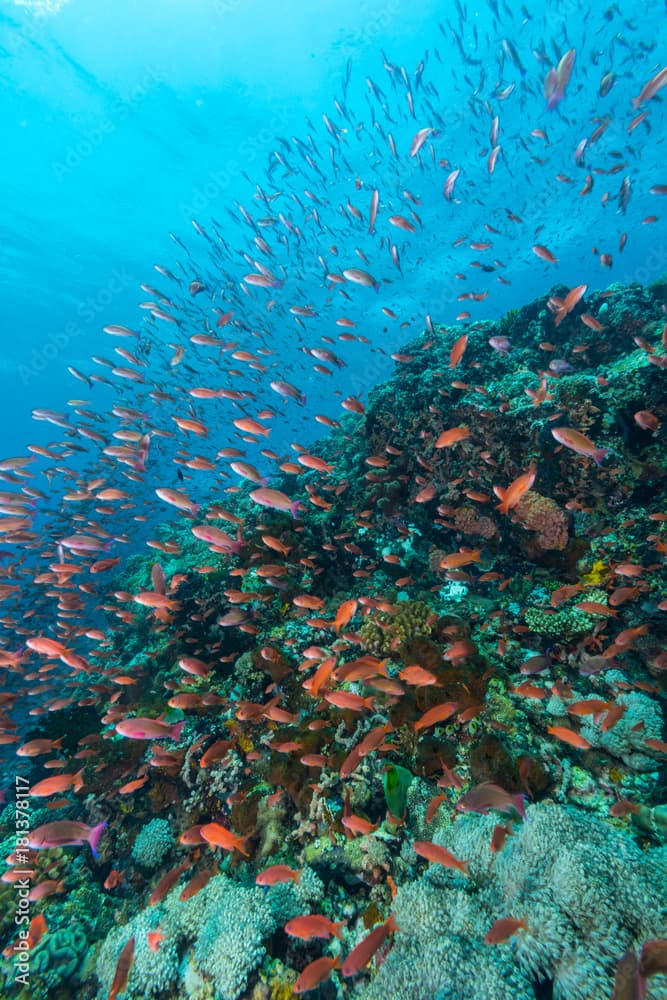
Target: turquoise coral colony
[379,718]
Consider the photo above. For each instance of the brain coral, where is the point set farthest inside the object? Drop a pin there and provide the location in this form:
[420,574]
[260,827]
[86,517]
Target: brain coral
[585,889]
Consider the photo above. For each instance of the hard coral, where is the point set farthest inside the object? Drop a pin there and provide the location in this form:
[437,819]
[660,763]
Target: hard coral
[542,515]
[467,521]
[386,632]
[586,891]
[154,841]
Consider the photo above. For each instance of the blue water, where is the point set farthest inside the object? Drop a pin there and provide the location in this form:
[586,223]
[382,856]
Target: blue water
[206,169]
[121,125]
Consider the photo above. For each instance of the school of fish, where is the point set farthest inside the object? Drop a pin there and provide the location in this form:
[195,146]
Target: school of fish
[195,444]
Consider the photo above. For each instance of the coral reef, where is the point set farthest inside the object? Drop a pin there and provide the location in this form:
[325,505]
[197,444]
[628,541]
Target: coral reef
[153,843]
[223,930]
[586,891]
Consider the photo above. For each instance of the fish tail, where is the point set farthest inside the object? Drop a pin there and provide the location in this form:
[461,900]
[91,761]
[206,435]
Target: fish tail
[242,845]
[294,508]
[519,802]
[176,730]
[94,837]
[239,543]
[600,454]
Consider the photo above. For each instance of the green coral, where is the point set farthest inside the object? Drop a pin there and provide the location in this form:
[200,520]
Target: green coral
[652,821]
[54,961]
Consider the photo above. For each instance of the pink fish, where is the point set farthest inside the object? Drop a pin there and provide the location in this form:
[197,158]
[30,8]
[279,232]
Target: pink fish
[266,497]
[557,80]
[66,833]
[576,441]
[288,390]
[500,344]
[486,796]
[139,728]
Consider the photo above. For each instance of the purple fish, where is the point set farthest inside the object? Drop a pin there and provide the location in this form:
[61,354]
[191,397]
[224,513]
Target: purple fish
[559,366]
[500,344]
[486,796]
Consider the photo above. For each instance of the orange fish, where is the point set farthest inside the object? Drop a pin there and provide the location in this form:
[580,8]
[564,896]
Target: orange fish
[197,883]
[433,807]
[358,826]
[510,497]
[544,253]
[313,925]
[417,676]
[595,608]
[578,442]
[439,855]
[451,436]
[59,783]
[565,593]
[112,880]
[363,952]
[440,713]
[349,700]
[458,350]
[251,426]
[315,973]
[44,889]
[345,613]
[219,836]
[503,929]
[276,874]
[569,736]
[154,938]
[499,836]
[166,883]
[123,966]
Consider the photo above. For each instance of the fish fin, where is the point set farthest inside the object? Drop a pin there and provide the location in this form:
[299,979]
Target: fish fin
[94,837]
[176,730]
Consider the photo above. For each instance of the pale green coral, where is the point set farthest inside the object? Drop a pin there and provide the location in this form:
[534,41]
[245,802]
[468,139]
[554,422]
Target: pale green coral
[585,889]
[153,843]
[566,622]
[221,933]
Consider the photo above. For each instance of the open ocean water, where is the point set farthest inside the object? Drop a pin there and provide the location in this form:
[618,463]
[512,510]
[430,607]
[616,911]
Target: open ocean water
[334,489]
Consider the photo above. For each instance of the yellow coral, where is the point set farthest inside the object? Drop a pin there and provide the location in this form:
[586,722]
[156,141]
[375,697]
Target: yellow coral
[281,982]
[596,575]
[245,743]
[281,990]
